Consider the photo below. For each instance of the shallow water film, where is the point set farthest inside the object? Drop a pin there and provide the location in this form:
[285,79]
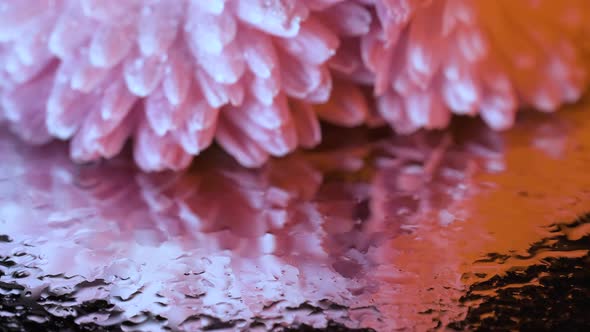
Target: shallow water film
[463,229]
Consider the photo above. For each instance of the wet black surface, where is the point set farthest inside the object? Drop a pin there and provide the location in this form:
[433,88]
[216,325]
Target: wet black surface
[552,296]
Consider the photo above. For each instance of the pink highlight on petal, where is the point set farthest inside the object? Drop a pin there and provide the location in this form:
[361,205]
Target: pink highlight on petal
[233,139]
[309,133]
[347,106]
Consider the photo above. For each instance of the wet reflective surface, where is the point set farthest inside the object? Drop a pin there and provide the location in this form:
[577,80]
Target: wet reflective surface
[457,230]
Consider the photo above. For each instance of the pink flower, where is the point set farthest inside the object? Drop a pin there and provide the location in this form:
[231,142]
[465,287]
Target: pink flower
[171,75]
[434,58]
[255,75]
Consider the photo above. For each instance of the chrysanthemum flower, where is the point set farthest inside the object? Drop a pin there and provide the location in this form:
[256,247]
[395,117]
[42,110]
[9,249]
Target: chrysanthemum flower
[172,75]
[431,58]
[255,75]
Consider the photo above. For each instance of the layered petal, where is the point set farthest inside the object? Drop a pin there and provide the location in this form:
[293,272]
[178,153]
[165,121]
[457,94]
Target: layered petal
[433,58]
[173,76]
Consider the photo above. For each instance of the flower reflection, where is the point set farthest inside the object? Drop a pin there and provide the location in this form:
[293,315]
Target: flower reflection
[368,231]
[531,179]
